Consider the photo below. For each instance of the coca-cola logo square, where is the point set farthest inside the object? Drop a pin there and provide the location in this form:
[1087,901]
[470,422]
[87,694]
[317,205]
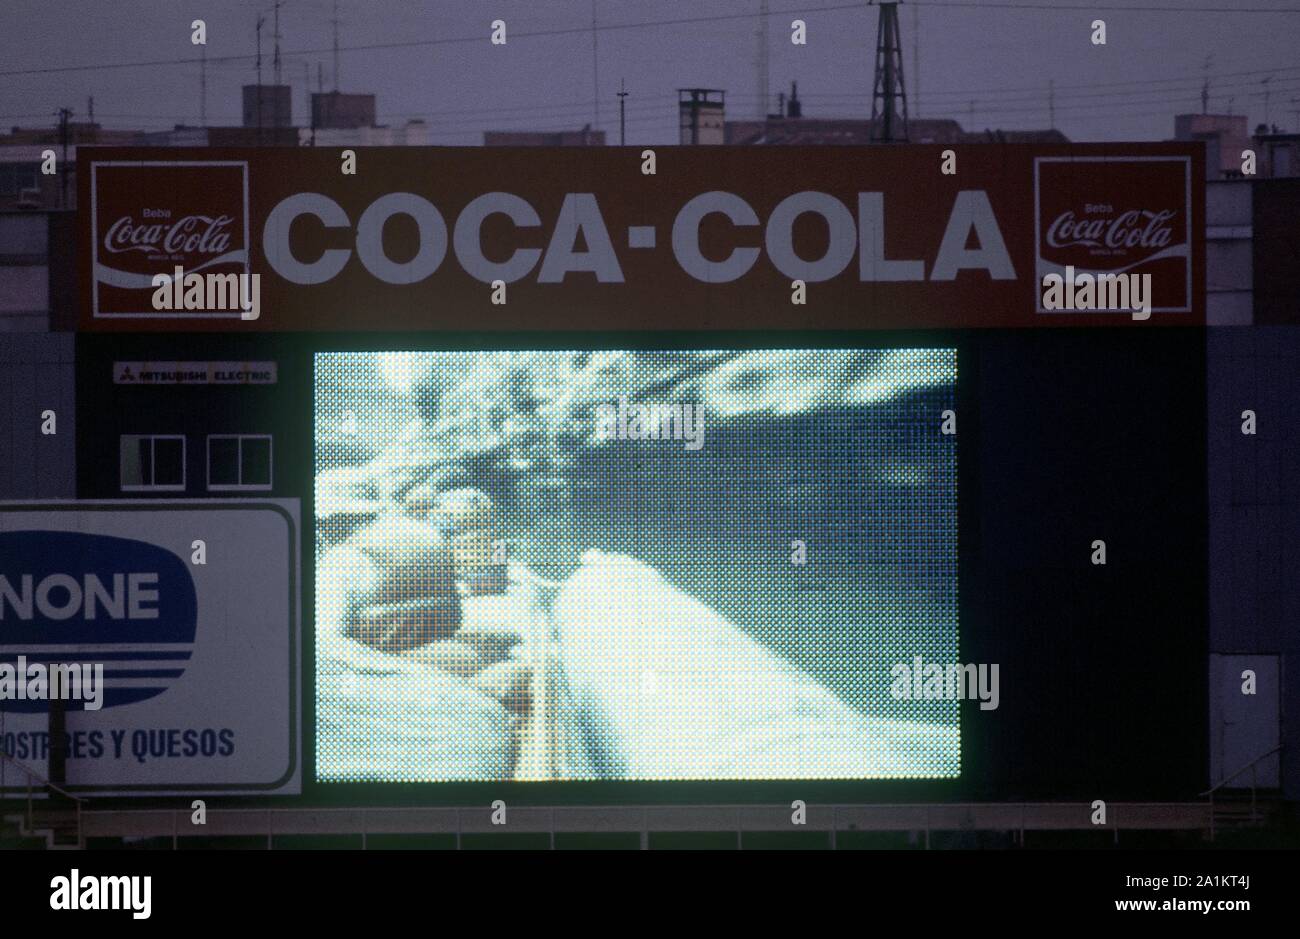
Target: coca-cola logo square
[1117,215]
[149,218]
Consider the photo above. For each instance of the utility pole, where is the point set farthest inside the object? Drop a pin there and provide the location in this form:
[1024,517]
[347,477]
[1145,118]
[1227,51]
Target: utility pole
[306,90]
[1264,82]
[1205,85]
[916,61]
[595,84]
[320,83]
[1051,104]
[203,85]
[258,30]
[335,21]
[762,60]
[622,114]
[276,60]
[64,115]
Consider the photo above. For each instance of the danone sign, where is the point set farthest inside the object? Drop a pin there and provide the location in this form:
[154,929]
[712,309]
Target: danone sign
[67,597]
[585,238]
[168,635]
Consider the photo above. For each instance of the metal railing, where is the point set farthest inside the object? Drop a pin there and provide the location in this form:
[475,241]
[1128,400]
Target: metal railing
[28,825]
[919,819]
[1254,785]
[1014,817]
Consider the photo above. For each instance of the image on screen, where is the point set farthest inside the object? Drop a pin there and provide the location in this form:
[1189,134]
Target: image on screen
[630,565]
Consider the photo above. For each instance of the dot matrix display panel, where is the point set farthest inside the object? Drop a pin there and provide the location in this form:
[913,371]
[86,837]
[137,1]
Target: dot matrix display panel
[631,565]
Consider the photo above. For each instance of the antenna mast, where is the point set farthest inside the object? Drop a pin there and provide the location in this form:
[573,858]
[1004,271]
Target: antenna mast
[889,95]
[258,30]
[335,22]
[595,85]
[277,43]
[916,60]
[622,114]
[203,85]
[762,59]
[1205,85]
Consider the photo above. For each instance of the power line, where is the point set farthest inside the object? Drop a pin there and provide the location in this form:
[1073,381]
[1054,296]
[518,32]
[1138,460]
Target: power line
[1089,7]
[964,93]
[1034,102]
[1031,92]
[648,24]
[505,117]
[657,102]
[445,40]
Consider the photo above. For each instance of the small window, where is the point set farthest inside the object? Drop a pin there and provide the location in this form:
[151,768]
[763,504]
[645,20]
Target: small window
[1281,161]
[239,462]
[152,462]
[15,177]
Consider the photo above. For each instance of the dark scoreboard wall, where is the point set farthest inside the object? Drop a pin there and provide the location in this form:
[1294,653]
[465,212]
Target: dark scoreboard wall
[1092,436]
[195,411]
[1065,437]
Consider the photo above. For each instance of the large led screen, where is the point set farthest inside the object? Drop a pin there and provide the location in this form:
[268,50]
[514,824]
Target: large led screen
[618,565]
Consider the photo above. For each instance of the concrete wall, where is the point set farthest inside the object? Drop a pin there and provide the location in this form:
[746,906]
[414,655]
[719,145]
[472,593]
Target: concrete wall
[24,272]
[1254,494]
[1229,277]
[37,375]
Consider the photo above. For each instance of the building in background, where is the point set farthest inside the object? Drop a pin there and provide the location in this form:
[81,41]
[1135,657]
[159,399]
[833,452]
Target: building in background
[413,133]
[37,271]
[1229,264]
[586,137]
[335,110]
[1278,153]
[37,376]
[701,115]
[268,106]
[78,132]
[24,186]
[349,120]
[185,136]
[1225,137]
[1275,242]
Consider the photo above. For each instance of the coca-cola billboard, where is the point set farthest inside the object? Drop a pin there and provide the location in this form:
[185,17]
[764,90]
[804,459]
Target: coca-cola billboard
[151,217]
[524,239]
[1117,215]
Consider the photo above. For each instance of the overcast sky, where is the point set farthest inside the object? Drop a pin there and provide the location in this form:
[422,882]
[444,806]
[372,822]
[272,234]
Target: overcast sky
[1000,59]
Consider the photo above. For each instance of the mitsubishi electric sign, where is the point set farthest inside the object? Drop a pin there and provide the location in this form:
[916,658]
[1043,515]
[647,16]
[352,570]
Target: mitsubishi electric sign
[166,633]
[603,238]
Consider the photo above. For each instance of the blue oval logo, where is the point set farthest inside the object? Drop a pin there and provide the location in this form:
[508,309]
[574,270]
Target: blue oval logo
[69,598]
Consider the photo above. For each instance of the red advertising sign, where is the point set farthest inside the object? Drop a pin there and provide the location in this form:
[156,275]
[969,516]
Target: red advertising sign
[585,238]
[1147,231]
[150,217]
